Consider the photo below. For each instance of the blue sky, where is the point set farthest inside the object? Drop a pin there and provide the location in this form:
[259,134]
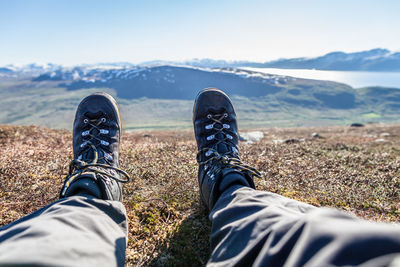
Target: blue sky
[88,31]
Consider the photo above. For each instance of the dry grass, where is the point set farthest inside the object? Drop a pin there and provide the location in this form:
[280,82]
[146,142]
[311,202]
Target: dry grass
[346,169]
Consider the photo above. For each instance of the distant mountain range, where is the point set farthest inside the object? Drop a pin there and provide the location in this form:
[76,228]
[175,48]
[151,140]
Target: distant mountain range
[170,82]
[372,60]
[153,95]
[182,83]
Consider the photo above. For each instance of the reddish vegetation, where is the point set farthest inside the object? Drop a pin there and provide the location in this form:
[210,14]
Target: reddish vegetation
[349,168]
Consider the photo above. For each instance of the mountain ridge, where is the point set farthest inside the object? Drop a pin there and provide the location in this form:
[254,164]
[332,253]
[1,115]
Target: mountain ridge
[182,83]
[377,59]
[160,97]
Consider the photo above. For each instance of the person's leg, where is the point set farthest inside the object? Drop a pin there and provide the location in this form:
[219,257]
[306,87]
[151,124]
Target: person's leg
[74,231]
[88,225]
[251,227]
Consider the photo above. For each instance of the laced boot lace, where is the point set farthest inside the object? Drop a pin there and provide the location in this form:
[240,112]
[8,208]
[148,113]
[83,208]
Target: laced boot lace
[222,134]
[92,143]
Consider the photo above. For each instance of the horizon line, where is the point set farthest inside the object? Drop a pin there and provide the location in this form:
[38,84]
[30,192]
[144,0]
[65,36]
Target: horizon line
[154,61]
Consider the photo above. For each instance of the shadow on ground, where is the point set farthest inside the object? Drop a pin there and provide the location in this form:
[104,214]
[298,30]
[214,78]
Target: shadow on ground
[189,244]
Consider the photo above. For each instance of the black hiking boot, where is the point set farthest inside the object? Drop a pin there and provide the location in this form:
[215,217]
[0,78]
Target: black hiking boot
[96,136]
[216,133]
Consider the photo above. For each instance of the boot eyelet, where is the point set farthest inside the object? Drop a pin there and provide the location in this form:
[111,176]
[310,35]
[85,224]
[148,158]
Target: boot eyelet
[103,119]
[225,115]
[209,116]
[85,121]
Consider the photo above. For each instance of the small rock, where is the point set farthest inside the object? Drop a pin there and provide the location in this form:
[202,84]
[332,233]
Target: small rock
[384,134]
[291,141]
[356,124]
[251,137]
[380,140]
[315,135]
[146,135]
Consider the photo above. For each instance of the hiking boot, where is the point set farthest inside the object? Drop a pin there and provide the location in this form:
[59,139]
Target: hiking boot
[96,136]
[216,133]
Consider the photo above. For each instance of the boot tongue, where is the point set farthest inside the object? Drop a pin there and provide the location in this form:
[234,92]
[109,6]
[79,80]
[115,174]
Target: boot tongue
[222,148]
[88,155]
[94,115]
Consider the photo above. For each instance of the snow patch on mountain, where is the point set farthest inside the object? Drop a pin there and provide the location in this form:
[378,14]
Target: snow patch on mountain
[91,74]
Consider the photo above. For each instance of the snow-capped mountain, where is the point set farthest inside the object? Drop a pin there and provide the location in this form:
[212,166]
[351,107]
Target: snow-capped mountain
[163,88]
[166,82]
[33,68]
[94,73]
[371,60]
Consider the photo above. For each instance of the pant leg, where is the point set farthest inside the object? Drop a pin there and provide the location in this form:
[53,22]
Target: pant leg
[251,227]
[74,231]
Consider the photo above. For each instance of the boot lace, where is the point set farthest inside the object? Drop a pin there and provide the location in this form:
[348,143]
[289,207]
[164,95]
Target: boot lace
[221,134]
[93,143]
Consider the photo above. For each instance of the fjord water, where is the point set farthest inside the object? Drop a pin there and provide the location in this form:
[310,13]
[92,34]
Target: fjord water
[355,79]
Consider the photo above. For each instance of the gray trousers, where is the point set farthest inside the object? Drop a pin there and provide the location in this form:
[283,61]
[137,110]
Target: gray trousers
[249,227]
[75,231]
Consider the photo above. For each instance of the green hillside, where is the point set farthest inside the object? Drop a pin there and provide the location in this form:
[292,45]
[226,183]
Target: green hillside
[162,98]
